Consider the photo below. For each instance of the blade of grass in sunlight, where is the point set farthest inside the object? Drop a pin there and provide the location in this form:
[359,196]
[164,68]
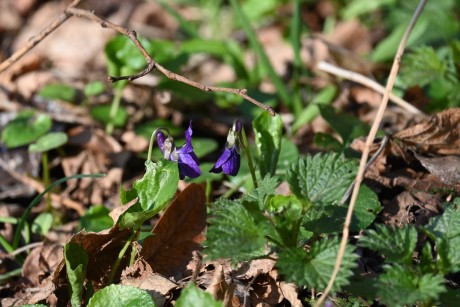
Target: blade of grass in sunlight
[186,26]
[35,201]
[281,88]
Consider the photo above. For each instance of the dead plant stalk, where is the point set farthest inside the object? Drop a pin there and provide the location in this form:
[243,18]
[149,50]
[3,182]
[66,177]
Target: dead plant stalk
[369,141]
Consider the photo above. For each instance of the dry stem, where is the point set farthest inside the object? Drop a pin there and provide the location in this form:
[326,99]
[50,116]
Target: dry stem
[363,80]
[369,141]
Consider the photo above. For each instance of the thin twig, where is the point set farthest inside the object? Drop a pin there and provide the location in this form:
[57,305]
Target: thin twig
[363,80]
[34,40]
[371,161]
[369,141]
[151,64]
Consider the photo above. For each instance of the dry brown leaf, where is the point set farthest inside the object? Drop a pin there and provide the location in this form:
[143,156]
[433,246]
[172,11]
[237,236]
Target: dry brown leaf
[218,286]
[447,168]
[102,249]
[140,275]
[178,233]
[438,135]
[41,262]
[291,293]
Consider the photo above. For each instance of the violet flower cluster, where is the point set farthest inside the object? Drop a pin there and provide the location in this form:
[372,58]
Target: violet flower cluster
[228,162]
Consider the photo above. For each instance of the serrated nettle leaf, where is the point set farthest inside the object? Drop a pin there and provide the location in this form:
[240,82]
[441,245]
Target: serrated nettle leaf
[121,295]
[286,213]
[399,286]
[265,188]
[268,131]
[321,178]
[25,129]
[366,209]
[314,268]
[234,233]
[397,244]
[448,254]
[194,296]
[48,141]
[446,225]
[76,260]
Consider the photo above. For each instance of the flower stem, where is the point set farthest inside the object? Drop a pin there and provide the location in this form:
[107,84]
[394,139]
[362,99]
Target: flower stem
[248,154]
[120,256]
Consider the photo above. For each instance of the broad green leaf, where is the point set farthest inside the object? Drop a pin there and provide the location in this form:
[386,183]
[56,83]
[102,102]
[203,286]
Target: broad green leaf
[346,125]
[328,142]
[446,225]
[158,185]
[154,190]
[397,244]
[96,219]
[76,261]
[42,223]
[202,146]
[268,131]
[206,175]
[102,113]
[288,153]
[94,88]
[25,129]
[321,178]
[233,233]
[146,129]
[356,8]
[399,286]
[193,296]
[120,295]
[58,91]
[48,141]
[314,268]
[184,92]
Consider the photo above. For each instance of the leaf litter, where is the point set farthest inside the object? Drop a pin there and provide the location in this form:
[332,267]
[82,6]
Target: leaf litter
[420,158]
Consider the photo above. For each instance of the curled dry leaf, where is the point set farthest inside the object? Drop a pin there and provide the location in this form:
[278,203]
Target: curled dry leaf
[438,135]
[178,233]
[41,262]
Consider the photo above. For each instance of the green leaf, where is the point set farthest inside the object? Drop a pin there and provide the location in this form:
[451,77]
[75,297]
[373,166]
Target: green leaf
[399,286]
[449,255]
[58,91]
[42,223]
[288,153]
[94,88]
[193,296]
[286,213]
[154,190]
[202,146]
[446,225]
[25,129]
[120,295]
[321,178]
[146,129]
[48,141]
[76,261]
[234,233]
[96,219]
[314,268]
[397,244]
[268,131]
[421,66]
[366,209]
[266,187]
[102,113]
[346,125]
[158,185]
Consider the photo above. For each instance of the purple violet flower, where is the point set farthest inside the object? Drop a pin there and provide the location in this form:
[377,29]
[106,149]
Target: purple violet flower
[184,156]
[229,160]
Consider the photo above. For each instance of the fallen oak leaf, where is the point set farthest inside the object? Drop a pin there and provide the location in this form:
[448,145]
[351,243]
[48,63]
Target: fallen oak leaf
[178,233]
